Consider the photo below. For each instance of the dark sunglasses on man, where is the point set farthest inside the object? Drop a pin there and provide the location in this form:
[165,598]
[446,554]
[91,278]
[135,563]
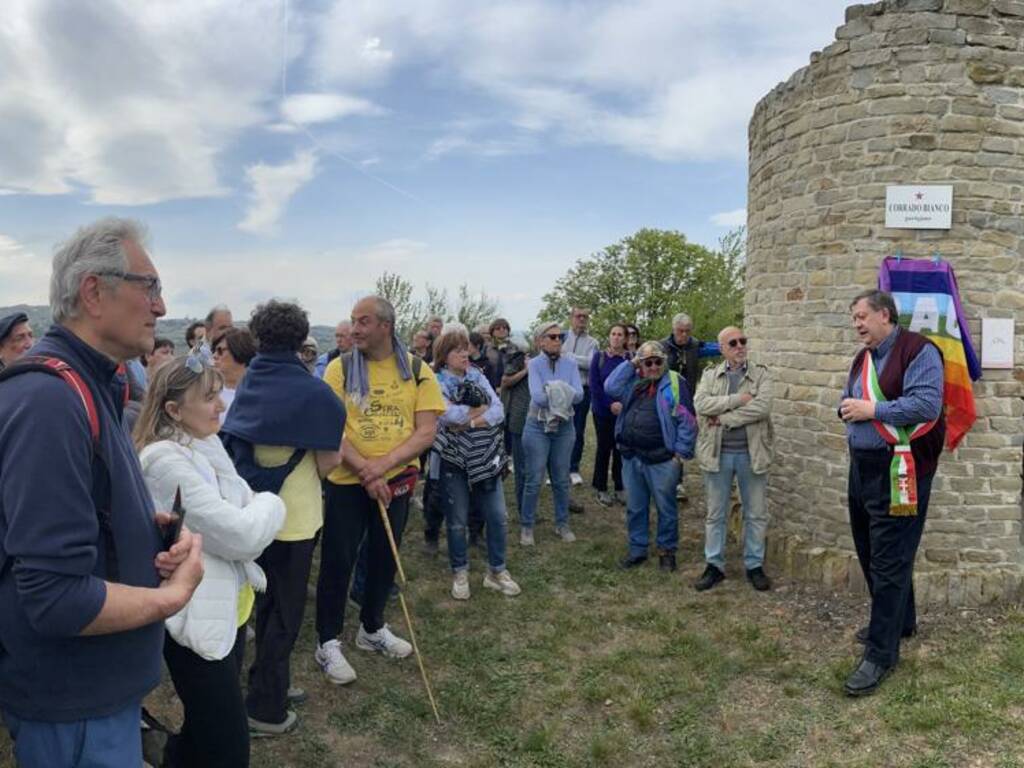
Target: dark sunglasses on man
[738,342]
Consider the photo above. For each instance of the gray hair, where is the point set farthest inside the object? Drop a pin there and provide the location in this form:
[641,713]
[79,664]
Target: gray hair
[878,300]
[543,328]
[97,248]
[214,312]
[682,319]
[385,310]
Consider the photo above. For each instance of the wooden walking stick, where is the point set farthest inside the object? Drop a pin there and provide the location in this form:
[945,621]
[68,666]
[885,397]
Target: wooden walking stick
[405,608]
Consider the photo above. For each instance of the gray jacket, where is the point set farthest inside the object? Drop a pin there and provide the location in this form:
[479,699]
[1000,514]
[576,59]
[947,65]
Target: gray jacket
[713,399]
[559,410]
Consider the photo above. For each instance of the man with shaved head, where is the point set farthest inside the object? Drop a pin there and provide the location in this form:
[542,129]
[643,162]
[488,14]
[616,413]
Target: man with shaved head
[734,401]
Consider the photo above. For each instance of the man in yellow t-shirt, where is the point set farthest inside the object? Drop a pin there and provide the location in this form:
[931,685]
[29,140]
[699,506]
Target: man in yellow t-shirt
[392,404]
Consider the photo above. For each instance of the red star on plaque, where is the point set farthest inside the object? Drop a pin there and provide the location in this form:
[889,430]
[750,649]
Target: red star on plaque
[919,195]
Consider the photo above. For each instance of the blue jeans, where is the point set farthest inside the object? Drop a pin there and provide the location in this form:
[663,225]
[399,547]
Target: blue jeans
[519,465]
[100,742]
[489,496]
[644,481]
[718,488]
[579,420]
[550,451]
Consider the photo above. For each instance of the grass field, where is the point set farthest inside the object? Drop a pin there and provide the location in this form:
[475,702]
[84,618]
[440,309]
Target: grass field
[594,666]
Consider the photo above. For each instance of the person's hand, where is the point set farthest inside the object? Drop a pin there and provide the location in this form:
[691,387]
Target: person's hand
[852,409]
[745,397]
[379,490]
[181,583]
[615,408]
[167,562]
[714,421]
[476,412]
[374,469]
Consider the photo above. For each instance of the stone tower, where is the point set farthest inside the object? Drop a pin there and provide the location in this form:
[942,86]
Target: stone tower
[911,92]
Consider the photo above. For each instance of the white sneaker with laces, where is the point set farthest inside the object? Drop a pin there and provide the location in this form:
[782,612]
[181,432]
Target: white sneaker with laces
[565,534]
[383,641]
[502,582]
[460,585]
[334,664]
[576,478]
[526,537]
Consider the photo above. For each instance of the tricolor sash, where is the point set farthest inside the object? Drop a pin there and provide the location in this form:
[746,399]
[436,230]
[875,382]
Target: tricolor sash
[902,472]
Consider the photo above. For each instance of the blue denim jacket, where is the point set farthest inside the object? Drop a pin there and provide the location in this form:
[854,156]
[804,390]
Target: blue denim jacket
[678,425]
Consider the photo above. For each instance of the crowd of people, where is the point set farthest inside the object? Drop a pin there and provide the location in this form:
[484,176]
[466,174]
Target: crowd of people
[268,448]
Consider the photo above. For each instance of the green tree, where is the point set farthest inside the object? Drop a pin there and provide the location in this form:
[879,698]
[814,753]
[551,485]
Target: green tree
[649,277]
[474,309]
[398,291]
[471,309]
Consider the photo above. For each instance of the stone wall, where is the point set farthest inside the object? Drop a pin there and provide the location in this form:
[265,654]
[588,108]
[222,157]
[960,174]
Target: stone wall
[911,91]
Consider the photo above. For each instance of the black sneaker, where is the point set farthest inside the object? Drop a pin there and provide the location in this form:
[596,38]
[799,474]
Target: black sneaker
[759,579]
[709,578]
[667,562]
[576,508]
[632,561]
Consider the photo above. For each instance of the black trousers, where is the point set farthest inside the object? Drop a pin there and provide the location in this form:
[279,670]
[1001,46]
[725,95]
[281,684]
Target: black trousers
[606,449]
[349,515]
[279,613]
[886,547]
[579,420]
[215,731]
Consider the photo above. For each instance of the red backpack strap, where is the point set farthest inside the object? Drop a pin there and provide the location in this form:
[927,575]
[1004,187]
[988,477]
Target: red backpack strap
[122,369]
[57,367]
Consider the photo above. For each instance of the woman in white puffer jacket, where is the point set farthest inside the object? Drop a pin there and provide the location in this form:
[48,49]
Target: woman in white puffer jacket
[176,435]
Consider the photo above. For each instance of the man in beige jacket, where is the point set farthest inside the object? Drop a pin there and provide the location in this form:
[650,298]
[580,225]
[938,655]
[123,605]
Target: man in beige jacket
[733,402]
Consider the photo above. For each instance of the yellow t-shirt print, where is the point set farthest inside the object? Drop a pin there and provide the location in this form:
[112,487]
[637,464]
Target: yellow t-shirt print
[390,418]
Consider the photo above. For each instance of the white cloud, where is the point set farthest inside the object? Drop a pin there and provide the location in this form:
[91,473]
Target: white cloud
[134,102]
[659,78]
[308,108]
[737,218]
[24,276]
[272,186]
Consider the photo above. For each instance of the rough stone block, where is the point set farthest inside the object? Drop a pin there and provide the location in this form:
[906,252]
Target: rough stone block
[1009,7]
[969,7]
[986,72]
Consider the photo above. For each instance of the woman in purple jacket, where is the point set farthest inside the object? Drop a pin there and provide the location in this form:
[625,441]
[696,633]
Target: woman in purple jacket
[605,409]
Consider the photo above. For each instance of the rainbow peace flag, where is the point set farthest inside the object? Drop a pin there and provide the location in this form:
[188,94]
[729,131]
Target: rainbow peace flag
[928,300]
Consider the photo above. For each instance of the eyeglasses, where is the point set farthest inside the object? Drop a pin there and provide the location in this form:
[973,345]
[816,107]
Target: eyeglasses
[740,342]
[555,336]
[198,359]
[653,362]
[150,283]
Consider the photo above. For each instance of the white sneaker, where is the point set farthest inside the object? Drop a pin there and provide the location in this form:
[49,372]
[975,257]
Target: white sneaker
[576,478]
[502,582]
[565,534]
[383,641]
[334,664]
[526,537]
[460,585]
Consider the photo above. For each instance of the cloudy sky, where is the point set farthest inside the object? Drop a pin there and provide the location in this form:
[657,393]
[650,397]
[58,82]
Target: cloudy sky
[299,149]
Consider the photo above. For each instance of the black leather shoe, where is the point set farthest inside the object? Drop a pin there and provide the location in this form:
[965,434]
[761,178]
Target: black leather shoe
[576,508]
[667,562]
[862,634]
[709,578]
[632,561]
[759,579]
[866,678]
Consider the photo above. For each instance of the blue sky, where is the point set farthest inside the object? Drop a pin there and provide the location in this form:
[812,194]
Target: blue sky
[299,149]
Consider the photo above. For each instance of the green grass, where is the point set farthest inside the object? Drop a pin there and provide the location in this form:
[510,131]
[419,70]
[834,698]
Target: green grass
[594,666]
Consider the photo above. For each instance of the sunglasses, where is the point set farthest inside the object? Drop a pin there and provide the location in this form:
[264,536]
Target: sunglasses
[198,359]
[555,336]
[740,342]
[653,362]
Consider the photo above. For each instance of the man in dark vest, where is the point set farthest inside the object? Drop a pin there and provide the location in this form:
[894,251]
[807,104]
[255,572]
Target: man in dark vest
[892,406]
[684,351]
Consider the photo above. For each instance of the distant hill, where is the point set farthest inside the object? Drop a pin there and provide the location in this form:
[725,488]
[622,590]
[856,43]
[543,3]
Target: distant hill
[171,328]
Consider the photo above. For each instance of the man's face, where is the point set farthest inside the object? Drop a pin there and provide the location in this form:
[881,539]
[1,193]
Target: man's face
[368,332]
[128,310]
[18,342]
[580,320]
[343,336]
[734,347]
[872,325]
[435,328]
[681,333]
[222,321]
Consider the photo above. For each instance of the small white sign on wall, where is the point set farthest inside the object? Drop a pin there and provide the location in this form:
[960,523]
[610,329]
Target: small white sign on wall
[919,207]
[996,342]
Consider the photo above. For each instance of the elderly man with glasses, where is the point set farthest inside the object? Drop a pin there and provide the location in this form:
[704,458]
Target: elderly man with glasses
[734,401]
[655,430]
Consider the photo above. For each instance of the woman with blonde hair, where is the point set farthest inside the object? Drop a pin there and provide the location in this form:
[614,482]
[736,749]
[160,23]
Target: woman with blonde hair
[180,453]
